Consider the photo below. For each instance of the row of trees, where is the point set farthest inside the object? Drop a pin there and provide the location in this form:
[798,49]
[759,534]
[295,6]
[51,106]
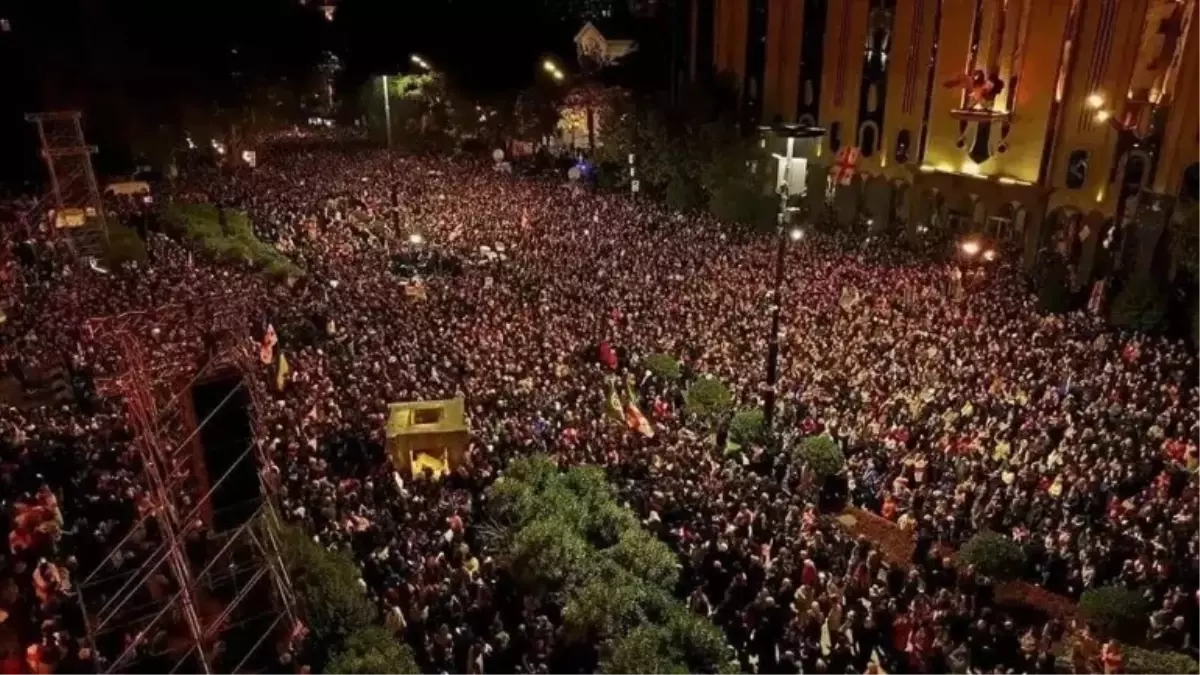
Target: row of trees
[691,154]
[562,535]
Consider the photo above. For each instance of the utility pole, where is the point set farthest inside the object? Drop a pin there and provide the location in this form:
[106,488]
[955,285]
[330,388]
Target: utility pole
[789,132]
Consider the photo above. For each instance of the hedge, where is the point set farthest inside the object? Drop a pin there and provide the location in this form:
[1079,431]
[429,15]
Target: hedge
[993,555]
[663,366]
[822,455]
[1116,612]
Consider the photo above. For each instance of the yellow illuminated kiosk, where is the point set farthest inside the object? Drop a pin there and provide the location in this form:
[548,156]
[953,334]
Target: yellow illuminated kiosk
[427,434]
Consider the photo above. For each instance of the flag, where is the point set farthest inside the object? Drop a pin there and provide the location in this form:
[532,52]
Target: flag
[845,165]
[266,351]
[633,414]
[612,404]
[282,373]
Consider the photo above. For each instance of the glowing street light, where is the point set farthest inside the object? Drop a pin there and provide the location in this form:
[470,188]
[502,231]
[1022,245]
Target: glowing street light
[1103,116]
[1094,101]
[420,62]
[970,248]
[416,239]
[796,234]
[549,66]
[989,255]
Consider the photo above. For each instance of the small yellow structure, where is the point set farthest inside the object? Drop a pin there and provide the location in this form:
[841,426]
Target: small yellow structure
[427,435]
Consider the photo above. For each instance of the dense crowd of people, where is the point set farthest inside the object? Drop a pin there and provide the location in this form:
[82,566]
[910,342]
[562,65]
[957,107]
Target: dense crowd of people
[959,408]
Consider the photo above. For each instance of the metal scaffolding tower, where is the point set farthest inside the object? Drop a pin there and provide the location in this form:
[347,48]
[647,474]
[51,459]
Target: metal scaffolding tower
[174,594]
[78,208]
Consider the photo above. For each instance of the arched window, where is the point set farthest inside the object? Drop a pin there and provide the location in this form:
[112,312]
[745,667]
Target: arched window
[1189,190]
[903,146]
[867,138]
[1077,169]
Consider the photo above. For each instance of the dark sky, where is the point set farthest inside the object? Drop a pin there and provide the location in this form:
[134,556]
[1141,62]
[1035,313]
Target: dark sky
[131,63]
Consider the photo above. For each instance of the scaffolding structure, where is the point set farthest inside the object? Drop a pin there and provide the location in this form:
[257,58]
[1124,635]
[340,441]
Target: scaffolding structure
[174,594]
[79,212]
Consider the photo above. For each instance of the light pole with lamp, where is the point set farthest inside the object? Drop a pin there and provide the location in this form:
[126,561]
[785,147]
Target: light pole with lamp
[789,133]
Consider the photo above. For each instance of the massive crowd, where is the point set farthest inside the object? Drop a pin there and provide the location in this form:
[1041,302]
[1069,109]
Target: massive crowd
[958,409]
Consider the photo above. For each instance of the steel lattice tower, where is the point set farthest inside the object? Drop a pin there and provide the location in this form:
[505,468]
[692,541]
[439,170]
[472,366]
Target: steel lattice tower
[68,157]
[196,600]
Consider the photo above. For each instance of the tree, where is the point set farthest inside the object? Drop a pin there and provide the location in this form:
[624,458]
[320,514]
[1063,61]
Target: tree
[708,400]
[1116,612]
[327,591]
[822,455]
[1053,283]
[993,555]
[663,366]
[646,558]
[373,650]
[748,427]
[1140,306]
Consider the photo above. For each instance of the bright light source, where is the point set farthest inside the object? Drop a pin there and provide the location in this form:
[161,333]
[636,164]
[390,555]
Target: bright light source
[969,247]
[870,222]
[989,255]
[1005,180]
[796,234]
[1094,101]
[970,168]
[558,75]
[549,66]
[945,167]
[416,239]
[1103,116]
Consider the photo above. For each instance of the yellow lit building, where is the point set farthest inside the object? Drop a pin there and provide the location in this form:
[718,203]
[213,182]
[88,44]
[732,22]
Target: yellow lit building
[1041,122]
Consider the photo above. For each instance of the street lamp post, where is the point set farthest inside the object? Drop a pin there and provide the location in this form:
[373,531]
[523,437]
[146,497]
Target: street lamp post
[788,132]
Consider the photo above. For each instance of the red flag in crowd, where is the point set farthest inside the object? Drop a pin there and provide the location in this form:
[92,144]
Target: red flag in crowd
[607,356]
[267,350]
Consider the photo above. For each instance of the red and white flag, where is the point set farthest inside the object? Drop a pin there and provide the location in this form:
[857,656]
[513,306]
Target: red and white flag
[845,165]
[267,350]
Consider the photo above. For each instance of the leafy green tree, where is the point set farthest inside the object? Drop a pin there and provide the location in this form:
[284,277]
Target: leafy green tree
[548,556]
[646,558]
[747,427]
[124,245]
[1141,306]
[602,608]
[1117,612]
[708,400]
[327,591]
[663,366]
[643,650]
[373,650]
[822,455]
[993,555]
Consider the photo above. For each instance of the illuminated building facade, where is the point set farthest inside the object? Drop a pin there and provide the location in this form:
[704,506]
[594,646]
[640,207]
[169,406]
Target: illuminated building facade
[1067,123]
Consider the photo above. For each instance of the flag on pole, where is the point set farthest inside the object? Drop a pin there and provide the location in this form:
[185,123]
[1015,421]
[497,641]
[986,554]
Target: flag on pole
[282,373]
[267,349]
[633,414]
[612,404]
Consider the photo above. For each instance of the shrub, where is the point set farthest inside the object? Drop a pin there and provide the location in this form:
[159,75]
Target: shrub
[747,427]
[124,245]
[822,455]
[1138,660]
[327,590]
[1140,306]
[663,366]
[993,555]
[708,399]
[373,650]
[1116,612]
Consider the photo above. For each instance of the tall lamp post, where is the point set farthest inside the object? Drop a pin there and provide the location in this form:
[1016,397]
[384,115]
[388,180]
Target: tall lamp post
[786,161]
